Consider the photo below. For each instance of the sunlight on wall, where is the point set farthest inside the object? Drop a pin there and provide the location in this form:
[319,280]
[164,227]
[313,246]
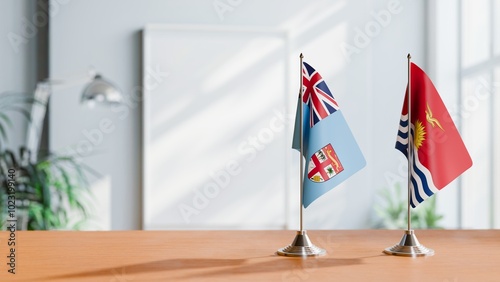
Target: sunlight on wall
[477,180]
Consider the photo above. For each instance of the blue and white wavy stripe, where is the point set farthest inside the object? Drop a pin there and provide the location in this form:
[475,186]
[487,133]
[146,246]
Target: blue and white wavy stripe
[422,185]
[402,139]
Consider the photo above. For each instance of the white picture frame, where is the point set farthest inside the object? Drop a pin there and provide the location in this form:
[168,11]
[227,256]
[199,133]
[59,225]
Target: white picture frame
[216,128]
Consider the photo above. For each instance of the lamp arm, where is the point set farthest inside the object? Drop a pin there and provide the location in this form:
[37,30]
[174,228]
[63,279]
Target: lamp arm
[72,81]
[38,111]
[98,88]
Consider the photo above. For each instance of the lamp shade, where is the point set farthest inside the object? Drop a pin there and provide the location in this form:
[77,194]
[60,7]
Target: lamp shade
[102,91]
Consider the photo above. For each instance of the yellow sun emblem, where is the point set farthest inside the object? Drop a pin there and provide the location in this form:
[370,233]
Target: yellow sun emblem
[419,134]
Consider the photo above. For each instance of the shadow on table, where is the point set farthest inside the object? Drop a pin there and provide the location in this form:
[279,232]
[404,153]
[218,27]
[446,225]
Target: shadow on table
[288,266]
[154,266]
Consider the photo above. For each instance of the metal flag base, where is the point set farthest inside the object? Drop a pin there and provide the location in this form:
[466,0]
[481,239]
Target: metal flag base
[301,247]
[409,247]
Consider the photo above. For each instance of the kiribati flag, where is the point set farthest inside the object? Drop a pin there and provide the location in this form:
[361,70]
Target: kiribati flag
[331,152]
[439,154]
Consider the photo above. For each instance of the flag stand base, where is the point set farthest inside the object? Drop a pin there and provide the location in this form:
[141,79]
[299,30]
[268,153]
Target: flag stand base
[409,247]
[301,247]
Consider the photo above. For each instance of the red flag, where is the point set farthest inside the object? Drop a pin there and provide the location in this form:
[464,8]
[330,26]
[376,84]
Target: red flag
[439,154]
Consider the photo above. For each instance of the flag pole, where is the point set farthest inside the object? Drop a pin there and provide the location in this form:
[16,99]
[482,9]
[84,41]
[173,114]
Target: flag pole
[301,245]
[301,169]
[409,246]
[410,142]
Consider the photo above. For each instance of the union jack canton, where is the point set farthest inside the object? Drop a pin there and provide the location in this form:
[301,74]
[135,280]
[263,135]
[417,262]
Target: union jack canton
[316,95]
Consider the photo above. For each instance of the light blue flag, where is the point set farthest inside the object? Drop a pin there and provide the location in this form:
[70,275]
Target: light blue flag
[331,152]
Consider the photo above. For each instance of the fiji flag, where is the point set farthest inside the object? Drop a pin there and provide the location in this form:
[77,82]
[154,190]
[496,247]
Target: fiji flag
[331,152]
[439,154]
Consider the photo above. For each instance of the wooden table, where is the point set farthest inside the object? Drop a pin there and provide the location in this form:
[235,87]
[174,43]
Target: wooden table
[354,255]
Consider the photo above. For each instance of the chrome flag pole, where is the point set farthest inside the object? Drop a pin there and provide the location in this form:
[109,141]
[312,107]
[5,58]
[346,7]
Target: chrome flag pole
[409,245]
[301,245]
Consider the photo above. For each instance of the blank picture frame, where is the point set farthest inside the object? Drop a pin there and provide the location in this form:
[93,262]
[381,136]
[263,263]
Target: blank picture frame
[216,128]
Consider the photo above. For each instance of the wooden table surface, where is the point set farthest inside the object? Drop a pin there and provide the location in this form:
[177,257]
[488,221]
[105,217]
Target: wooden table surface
[353,255]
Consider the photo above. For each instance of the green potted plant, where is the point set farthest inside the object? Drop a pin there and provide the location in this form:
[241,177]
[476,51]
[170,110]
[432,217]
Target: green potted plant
[49,192]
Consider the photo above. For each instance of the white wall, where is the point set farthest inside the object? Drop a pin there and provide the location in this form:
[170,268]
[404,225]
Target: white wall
[369,85]
[18,58]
